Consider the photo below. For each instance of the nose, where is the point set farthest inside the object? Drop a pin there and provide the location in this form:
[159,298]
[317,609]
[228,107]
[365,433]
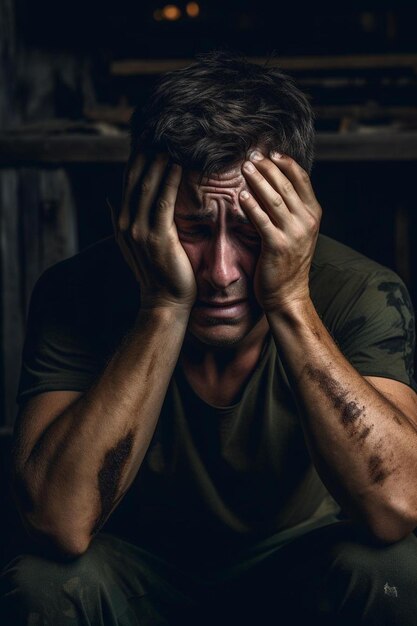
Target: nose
[221,263]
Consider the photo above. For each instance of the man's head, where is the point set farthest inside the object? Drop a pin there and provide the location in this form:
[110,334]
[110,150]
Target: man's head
[208,117]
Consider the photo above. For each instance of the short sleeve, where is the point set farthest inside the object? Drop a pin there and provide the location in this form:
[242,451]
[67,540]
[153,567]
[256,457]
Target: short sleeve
[60,351]
[377,335]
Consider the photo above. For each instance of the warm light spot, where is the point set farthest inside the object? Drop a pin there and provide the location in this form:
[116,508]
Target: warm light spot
[171,12]
[193,9]
[157,15]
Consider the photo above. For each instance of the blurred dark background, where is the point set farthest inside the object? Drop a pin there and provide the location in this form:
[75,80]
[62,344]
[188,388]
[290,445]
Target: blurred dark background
[71,72]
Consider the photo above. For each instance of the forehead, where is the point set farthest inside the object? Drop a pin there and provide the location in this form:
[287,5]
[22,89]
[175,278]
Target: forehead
[218,191]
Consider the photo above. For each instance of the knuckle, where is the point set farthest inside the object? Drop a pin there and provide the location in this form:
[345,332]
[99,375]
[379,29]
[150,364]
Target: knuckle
[299,233]
[123,224]
[312,223]
[170,185]
[162,204]
[135,231]
[152,242]
[283,244]
[277,202]
[287,187]
[264,219]
[145,186]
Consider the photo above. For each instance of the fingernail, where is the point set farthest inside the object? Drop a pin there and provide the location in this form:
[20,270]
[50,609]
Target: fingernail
[275,155]
[256,156]
[249,167]
[244,194]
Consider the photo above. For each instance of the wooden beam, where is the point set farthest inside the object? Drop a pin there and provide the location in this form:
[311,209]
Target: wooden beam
[71,148]
[34,150]
[370,146]
[132,67]
[366,111]
[121,115]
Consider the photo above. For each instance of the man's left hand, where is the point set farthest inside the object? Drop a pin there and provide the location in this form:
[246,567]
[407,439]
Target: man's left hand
[284,210]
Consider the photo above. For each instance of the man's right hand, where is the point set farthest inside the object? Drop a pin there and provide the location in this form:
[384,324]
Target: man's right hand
[147,235]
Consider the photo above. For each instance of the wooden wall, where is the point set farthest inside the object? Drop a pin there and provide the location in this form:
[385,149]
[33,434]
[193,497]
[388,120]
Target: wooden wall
[53,189]
[37,211]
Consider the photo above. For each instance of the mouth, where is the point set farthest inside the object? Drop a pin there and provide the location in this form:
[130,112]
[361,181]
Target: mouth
[222,308]
[219,303]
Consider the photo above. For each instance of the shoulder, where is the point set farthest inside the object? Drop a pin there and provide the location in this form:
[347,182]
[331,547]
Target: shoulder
[367,309]
[331,255]
[95,274]
[341,276]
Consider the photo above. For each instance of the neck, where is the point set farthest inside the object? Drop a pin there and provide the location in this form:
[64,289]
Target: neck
[213,361]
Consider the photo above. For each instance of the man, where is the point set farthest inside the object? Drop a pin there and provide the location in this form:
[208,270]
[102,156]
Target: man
[235,391]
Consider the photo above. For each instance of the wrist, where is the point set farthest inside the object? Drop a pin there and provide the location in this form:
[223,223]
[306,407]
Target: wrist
[291,308]
[164,313]
[155,304]
[297,318]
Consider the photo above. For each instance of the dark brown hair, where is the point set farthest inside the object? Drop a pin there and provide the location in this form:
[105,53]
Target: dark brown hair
[210,114]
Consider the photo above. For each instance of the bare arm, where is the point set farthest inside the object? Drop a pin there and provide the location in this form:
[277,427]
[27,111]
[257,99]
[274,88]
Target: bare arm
[86,459]
[81,462]
[361,433]
[363,442]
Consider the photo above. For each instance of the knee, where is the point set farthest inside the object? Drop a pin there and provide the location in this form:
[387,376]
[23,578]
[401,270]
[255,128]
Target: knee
[369,561]
[40,583]
[370,582]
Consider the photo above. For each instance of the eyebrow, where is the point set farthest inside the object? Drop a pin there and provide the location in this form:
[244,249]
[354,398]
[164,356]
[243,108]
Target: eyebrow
[202,216]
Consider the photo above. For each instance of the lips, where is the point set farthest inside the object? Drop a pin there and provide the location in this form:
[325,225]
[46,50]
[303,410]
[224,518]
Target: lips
[221,309]
[219,304]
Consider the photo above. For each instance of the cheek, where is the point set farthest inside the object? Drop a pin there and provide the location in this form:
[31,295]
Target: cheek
[194,252]
[248,257]
[249,265]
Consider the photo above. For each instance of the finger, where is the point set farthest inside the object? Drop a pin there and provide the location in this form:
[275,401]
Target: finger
[165,205]
[113,216]
[298,177]
[133,170]
[271,201]
[121,238]
[258,217]
[279,182]
[145,192]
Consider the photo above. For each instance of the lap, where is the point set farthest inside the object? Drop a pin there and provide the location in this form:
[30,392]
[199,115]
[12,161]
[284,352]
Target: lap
[117,582]
[113,582]
[322,571]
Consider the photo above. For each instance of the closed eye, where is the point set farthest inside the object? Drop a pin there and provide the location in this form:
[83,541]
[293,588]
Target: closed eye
[251,236]
[198,232]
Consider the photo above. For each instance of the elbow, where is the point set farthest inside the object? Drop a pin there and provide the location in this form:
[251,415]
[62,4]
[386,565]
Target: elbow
[393,523]
[60,545]
[48,532]
[70,547]
[389,534]
[57,538]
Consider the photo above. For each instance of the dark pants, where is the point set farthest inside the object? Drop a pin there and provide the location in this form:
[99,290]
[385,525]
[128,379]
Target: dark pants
[333,575]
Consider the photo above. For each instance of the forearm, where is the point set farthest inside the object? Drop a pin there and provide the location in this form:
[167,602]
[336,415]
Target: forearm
[363,447]
[89,455]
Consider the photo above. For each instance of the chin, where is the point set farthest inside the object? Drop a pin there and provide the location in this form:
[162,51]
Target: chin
[218,340]
[217,333]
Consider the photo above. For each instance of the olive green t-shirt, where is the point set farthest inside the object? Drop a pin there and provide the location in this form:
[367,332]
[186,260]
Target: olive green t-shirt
[215,478]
